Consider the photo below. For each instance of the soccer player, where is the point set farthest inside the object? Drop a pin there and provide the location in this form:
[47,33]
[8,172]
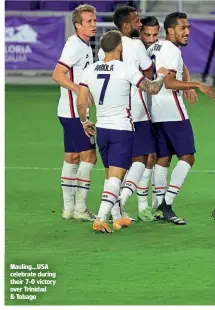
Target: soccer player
[149,35]
[109,82]
[127,20]
[173,129]
[76,55]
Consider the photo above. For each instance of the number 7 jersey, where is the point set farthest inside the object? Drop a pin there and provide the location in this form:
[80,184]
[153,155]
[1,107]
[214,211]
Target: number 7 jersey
[110,84]
[168,104]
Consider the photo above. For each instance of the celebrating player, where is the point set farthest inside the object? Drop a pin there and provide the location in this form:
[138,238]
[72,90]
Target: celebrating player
[127,20]
[149,35]
[174,133]
[76,55]
[109,82]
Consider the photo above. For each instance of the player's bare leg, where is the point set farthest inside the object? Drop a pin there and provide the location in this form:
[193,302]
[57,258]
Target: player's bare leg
[145,212]
[110,195]
[68,183]
[83,178]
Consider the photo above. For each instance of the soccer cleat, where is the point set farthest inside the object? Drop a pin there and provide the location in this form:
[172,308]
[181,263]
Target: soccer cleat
[169,215]
[213,214]
[158,215]
[146,215]
[127,216]
[67,215]
[100,226]
[124,214]
[87,215]
[123,222]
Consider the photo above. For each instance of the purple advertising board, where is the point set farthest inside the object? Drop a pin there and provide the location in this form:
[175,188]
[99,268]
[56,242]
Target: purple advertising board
[33,43]
[195,54]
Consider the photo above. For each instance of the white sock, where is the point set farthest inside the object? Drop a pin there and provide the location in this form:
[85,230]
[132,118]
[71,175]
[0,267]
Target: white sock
[154,197]
[115,211]
[133,178]
[109,197]
[68,177]
[123,182]
[178,176]
[143,189]
[160,175]
[82,185]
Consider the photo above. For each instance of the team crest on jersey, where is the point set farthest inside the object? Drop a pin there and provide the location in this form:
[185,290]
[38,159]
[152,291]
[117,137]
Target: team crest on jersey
[92,140]
[87,56]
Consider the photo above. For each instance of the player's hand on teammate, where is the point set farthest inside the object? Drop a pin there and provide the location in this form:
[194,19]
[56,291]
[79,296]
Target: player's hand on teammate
[207,90]
[191,96]
[89,129]
[163,71]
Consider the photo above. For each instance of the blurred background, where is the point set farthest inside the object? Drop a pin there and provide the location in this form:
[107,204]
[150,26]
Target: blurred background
[35,32]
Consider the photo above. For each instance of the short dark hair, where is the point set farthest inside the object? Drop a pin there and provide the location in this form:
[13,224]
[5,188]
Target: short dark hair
[110,40]
[121,15]
[149,21]
[171,20]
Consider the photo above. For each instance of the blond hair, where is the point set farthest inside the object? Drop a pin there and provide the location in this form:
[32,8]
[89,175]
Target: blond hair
[76,15]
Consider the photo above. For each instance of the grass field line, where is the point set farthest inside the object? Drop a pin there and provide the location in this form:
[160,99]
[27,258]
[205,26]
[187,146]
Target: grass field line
[98,169]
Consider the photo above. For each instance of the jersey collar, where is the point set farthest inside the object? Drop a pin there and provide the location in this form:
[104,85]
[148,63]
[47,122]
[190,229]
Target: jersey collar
[88,44]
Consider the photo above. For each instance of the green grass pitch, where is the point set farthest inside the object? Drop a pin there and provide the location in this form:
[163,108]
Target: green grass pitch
[146,264]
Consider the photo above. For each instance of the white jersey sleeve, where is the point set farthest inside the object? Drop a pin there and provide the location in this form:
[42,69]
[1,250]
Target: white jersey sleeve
[142,57]
[133,76]
[70,54]
[170,57]
[101,54]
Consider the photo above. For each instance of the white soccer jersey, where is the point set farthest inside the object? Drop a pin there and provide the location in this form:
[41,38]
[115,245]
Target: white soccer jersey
[134,54]
[110,84]
[76,56]
[168,104]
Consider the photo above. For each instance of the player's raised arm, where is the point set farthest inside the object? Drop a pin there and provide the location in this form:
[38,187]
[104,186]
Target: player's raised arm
[153,87]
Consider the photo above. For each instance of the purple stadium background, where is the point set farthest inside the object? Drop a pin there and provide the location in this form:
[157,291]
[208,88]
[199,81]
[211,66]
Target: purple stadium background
[48,32]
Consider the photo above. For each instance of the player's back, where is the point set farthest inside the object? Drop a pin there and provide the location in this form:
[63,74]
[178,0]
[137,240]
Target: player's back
[110,84]
[134,54]
[168,104]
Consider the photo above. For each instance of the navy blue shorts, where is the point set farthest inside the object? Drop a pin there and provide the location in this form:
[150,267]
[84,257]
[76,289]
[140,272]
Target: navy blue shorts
[174,138]
[143,139]
[75,139]
[115,147]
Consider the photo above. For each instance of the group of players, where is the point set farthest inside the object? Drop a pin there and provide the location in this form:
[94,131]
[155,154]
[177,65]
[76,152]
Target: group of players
[137,87]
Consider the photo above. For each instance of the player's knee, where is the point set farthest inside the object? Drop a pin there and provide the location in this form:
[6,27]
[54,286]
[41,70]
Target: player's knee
[150,161]
[72,158]
[190,159]
[140,159]
[164,161]
[89,156]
